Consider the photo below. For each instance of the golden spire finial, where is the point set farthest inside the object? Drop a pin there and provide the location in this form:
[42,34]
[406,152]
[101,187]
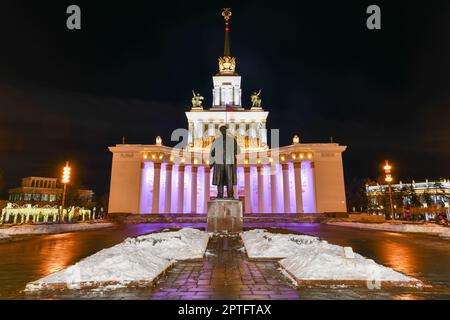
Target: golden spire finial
[227,63]
[226,13]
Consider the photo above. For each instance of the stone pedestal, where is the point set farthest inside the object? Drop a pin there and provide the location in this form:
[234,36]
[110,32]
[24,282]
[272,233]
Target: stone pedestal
[225,215]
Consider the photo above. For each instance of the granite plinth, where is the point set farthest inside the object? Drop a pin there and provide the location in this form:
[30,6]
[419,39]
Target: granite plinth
[225,215]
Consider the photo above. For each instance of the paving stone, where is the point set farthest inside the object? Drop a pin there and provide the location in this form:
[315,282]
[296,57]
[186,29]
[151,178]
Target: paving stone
[225,274]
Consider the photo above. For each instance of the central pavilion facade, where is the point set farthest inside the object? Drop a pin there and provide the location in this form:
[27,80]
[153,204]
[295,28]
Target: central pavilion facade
[298,178]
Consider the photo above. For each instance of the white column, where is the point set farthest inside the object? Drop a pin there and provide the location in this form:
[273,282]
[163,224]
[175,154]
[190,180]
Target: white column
[194,189]
[298,187]
[190,133]
[180,188]
[248,193]
[286,189]
[273,191]
[168,196]
[156,185]
[207,187]
[260,190]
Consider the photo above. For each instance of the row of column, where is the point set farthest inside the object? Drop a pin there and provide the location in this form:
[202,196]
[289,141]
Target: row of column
[249,193]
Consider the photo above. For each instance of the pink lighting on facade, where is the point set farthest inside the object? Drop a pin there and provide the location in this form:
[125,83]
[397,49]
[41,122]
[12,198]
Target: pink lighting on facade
[187,189]
[146,188]
[309,205]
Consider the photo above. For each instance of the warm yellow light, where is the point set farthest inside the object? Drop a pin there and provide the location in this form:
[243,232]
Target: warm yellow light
[309,155]
[145,156]
[302,155]
[153,156]
[388,179]
[207,161]
[283,158]
[66,174]
[258,161]
[171,158]
[182,160]
[294,156]
[246,161]
[161,156]
[195,161]
[270,160]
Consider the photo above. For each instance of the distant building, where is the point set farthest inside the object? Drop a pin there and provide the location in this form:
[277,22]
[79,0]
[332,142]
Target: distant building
[427,193]
[41,189]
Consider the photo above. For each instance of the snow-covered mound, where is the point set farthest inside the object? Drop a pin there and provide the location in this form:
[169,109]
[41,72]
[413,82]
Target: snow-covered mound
[309,258]
[140,259]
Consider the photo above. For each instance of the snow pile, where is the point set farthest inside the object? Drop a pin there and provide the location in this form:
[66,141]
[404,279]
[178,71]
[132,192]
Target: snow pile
[309,258]
[53,228]
[445,234]
[4,236]
[135,260]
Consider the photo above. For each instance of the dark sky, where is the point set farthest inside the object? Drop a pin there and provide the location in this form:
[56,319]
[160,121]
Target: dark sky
[130,71]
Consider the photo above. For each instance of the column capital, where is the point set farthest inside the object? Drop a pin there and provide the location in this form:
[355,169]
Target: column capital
[285,166]
[157,165]
[181,168]
[297,165]
[169,166]
[246,169]
[259,169]
[207,169]
[194,169]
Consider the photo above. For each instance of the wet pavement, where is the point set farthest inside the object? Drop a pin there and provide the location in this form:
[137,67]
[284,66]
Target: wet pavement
[226,272]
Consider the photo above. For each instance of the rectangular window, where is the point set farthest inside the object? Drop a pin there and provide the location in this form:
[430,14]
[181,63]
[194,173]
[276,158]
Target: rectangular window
[52,197]
[44,197]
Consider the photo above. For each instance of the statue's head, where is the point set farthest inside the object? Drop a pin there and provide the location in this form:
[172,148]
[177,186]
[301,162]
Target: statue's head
[223,130]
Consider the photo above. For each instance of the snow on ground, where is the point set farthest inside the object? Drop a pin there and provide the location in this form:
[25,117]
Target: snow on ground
[309,258]
[140,259]
[53,228]
[445,234]
[406,227]
[4,236]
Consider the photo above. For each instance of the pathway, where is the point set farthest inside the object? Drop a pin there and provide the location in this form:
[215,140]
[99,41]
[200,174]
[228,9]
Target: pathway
[225,273]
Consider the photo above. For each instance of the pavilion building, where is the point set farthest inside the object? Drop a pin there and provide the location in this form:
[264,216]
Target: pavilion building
[298,178]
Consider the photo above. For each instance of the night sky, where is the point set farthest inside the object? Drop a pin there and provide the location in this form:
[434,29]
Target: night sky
[68,95]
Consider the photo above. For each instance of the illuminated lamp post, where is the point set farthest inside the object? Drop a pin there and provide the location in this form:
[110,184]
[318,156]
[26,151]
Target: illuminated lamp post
[65,180]
[388,178]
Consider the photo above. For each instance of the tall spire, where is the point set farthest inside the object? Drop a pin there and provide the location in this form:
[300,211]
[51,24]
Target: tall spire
[227,63]
[226,13]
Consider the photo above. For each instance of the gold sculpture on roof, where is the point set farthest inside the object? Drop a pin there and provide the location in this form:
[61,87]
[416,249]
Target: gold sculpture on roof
[197,100]
[256,100]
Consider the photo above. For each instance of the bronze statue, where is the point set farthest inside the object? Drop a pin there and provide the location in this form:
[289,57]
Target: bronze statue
[223,157]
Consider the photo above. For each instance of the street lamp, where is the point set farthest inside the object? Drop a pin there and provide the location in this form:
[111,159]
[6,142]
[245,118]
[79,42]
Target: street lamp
[65,180]
[388,178]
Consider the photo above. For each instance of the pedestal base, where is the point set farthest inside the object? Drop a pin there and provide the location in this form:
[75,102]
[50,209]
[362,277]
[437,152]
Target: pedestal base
[225,215]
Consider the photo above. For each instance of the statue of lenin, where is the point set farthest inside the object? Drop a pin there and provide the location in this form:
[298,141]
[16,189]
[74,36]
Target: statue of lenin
[223,158]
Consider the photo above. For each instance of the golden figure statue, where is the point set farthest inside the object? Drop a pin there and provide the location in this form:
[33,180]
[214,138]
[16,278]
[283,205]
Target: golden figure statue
[196,100]
[256,100]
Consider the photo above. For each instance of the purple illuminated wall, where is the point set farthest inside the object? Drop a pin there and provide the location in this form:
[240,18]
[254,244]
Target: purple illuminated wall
[200,190]
[266,190]
[187,189]
[162,188]
[254,188]
[174,191]
[278,179]
[146,188]
[308,187]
